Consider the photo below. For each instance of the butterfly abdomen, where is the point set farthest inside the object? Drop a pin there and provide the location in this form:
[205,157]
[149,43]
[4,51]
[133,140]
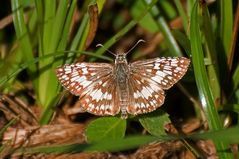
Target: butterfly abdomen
[123,90]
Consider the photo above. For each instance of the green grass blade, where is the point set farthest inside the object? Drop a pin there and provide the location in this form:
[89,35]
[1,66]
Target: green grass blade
[200,72]
[164,28]
[58,25]
[116,37]
[211,54]
[202,82]
[64,37]
[168,9]
[49,12]
[147,22]
[124,30]
[102,146]
[230,135]
[15,71]
[235,78]
[182,14]
[79,40]
[8,65]
[226,24]
[79,34]
[52,84]
[23,37]
[48,85]
[183,40]
[131,142]
[59,42]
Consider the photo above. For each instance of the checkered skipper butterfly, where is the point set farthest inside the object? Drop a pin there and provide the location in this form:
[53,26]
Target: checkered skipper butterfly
[130,88]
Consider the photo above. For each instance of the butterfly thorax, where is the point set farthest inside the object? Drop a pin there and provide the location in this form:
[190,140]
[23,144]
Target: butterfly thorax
[121,77]
[121,68]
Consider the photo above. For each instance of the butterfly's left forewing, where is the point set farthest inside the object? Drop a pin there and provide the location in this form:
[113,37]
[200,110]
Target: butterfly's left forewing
[165,71]
[148,80]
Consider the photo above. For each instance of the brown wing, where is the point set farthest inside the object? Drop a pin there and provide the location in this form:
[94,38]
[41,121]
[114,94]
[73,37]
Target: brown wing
[94,83]
[148,80]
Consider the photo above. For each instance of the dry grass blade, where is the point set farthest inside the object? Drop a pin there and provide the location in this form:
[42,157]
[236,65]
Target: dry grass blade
[49,134]
[14,107]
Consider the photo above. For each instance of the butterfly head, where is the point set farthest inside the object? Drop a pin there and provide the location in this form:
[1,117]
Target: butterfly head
[120,58]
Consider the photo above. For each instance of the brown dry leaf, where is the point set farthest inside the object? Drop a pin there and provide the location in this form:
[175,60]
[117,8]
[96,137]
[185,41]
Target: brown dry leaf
[14,107]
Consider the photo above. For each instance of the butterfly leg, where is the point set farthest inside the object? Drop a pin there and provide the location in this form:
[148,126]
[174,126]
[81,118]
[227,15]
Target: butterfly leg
[74,110]
[124,114]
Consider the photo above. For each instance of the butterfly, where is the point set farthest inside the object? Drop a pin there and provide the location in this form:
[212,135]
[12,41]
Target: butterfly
[130,88]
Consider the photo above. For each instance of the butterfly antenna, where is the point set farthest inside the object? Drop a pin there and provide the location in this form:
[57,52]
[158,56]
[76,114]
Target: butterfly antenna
[100,45]
[139,41]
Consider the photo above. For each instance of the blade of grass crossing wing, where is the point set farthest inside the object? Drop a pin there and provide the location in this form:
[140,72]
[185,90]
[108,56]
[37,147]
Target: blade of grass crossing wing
[25,65]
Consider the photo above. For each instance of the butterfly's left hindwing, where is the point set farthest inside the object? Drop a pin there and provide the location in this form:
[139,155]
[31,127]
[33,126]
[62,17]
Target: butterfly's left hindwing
[146,95]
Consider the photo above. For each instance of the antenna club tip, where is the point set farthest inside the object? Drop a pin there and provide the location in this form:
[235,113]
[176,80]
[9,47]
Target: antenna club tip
[141,40]
[99,45]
